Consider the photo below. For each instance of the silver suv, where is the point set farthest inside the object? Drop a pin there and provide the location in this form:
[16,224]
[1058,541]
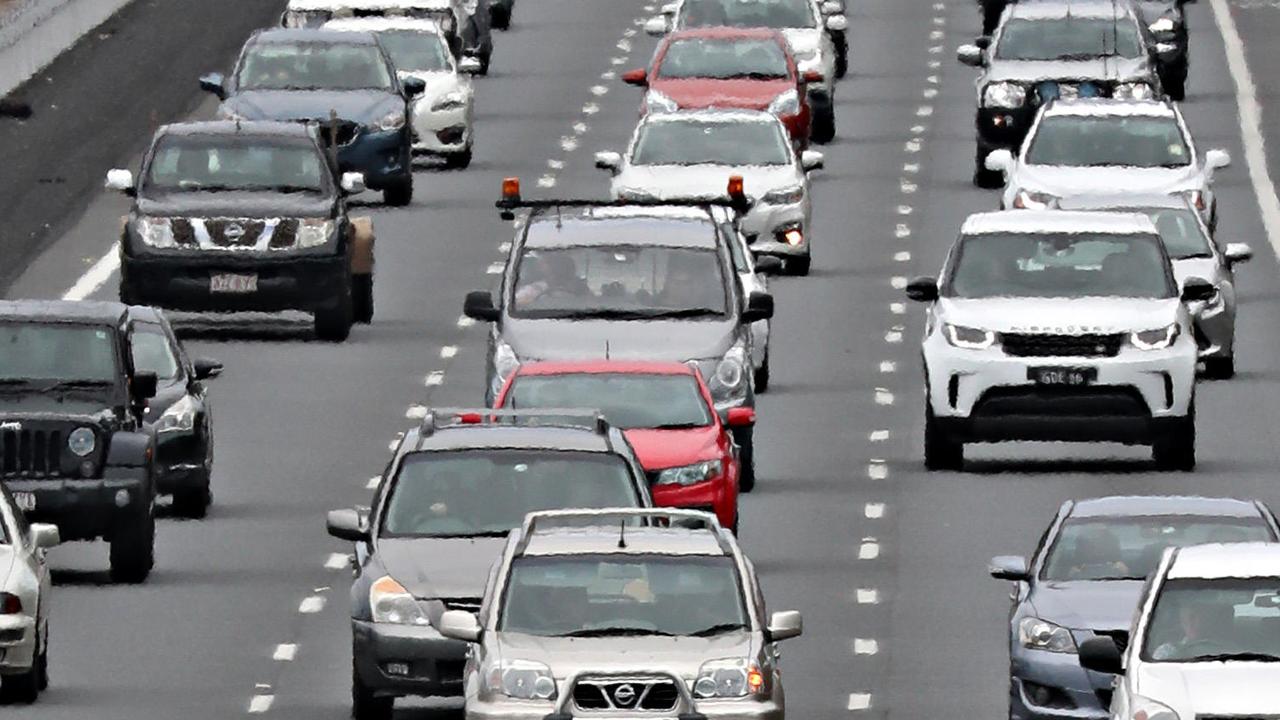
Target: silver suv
[623,612]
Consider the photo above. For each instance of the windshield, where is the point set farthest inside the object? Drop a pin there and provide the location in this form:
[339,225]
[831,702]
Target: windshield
[756,59]
[1206,620]
[689,142]
[1061,265]
[486,492]
[628,400]
[57,352]
[152,353]
[1068,38]
[314,66]
[776,14]
[623,282]
[210,163]
[410,50]
[1139,141]
[1129,548]
[638,594]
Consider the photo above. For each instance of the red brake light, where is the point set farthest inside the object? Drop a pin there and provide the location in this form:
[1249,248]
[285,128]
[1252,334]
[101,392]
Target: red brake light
[10,604]
[511,188]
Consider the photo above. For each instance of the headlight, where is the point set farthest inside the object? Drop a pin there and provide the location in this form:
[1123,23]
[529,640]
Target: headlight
[521,679]
[180,417]
[1038,634]
[156,232]
[967,337]
[784,196]
[314,232]
[1144,708]
[788,103]
[1004,95]
[636,195]
[1162,26]
[390,603]
[728,678]
[1032,200]
[226,113]
[726,376]
[655,102]
[82,441]
[689,474]
[391,121]
[449,101]
[1133,91]
[1157,339]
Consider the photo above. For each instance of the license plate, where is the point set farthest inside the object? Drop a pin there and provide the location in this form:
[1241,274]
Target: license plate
[228,283]
[25,501]
[1062,375]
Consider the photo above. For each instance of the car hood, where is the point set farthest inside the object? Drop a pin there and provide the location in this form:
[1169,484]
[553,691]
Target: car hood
[440,567]
[1198,689]
[1034,71]
[1087,605]
[438,83]
[235,204]
[659,449]
[677,182]
[677,340]
[362,106]
[1062,180]
[567,656]
[731,93]
[1061,315]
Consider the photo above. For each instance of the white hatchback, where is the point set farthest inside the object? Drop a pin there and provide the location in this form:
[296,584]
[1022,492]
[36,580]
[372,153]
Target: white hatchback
[24,602]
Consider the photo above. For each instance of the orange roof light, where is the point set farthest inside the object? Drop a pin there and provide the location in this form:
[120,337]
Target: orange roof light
[511,188]
[735,186]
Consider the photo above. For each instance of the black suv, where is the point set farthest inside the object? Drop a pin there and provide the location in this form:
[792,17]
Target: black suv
[74,450]
[245,216]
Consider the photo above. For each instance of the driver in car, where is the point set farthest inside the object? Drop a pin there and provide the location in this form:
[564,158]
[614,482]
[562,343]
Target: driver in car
[552,274]
[1202,626]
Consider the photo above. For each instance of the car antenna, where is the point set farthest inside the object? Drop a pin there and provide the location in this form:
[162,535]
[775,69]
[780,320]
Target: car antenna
[333,135]
[622,534]
[606,350]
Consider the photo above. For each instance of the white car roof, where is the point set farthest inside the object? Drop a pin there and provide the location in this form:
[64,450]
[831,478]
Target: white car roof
[1101,107]
[370,4]
[1227,561]
[379,24]
[1058,221]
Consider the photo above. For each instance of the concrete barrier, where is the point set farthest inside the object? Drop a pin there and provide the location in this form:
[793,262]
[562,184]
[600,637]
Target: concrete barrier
[35,32]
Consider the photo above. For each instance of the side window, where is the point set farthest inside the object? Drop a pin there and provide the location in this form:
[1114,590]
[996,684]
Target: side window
[151,351]
[730,235]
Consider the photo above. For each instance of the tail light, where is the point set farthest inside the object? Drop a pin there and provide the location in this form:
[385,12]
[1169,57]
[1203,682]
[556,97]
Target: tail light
[10,604]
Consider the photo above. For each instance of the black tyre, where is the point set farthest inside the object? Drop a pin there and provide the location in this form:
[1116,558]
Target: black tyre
[1175,82]
[484,63]
[25,687]
[458,160]
[133,548]
[362,298]
[1175,449]
[365,705]
[42,661]
[333,324]
[400,193]
[798,266]
[1223,368]
[746,459]
[192,502]
[842,54]
[823,128]
[941,451]
[761,376]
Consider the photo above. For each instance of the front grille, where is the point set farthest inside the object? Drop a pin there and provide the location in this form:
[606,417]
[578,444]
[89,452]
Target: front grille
[235,234]
[1049,345]
[347,132]
[285,234]
[31,453]
[228,233]
[654,694]
[465,603]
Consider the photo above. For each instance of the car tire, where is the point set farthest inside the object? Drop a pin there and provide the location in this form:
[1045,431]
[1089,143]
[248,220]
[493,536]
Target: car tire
[1176,448]
[797,266]
[133,548]
[499,17]
[399,193]
[365,705]
[841,41]
[24,688]
[941,451]
[761,375]
[746,460]
[42,679]
[734,528]
[193,502]
[824,125]
[362,298]
[1220,368]
[333,324]
[1175,82]
[458,160]
[484,64]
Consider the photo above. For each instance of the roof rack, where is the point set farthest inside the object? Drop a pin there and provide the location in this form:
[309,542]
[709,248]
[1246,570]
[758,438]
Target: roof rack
[734,198]
[585,418]
[608,517]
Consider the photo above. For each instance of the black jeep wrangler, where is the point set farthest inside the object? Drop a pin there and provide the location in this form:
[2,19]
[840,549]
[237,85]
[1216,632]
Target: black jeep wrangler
[73,447]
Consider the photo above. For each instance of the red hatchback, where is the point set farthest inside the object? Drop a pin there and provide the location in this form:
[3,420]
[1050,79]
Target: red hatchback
[744,68]
[666,412]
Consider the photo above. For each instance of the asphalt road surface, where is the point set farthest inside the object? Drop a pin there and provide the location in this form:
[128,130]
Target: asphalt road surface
[245,613]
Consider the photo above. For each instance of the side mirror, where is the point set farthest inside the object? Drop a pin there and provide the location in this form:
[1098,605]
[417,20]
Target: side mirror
[353,183]
[608,160]
[812,160]
[1009,567]
[214,83]
[657,26]
[469,65]
[759,307]
[413,86]
[768,265]
[923,289]
[811,77]
[206,368]
[1195,289]
[347,525]
[1100,654]
[785,624]
[45,536]
[1217,159]
[460,625]
[143,385]
[740,417]
[999,161]
[971,55]
[837,23]
[638,77]
[1237,253]
[121,181]
[479,306]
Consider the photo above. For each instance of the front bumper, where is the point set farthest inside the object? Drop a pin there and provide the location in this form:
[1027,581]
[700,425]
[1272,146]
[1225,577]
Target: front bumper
[718,496]
[181,461]
[764,226]
[507,709]
[383,157]
[17,643]
[87,509]
[181,281]
[1052,686]
[434,662]
[1215,329]
[443,131]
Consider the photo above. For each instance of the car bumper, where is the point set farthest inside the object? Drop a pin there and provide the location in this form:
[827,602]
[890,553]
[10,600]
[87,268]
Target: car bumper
[532,710]
[443,131]
[181,459]
[382,156]
[17,643]
[765,227]
[433,662]
[718,496]
[1215,330]
[1049,686]
[182,282]
[86,509]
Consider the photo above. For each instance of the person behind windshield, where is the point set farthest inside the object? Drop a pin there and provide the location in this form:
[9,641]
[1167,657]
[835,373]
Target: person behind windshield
[1200,625]
[684,288]
[553,274]
[1097,556]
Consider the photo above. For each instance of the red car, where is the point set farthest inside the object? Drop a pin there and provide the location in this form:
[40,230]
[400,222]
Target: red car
[666,412]
[744,68]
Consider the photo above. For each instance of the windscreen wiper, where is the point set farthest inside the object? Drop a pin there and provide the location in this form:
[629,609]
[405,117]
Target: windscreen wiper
[718,629]
[611,631]
[1245,656]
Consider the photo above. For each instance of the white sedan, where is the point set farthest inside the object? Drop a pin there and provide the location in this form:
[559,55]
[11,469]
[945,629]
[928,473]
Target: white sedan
[24,602]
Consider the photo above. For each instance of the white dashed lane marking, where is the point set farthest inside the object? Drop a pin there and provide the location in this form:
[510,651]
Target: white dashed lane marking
[878,435]
[898,282]
[865,646]
[311,604]
[465,322]
[873,511]
[259,704]
[285,652]
[867,596]
[877,470]
[859,701]
[888,366]
[448,351]
[435,377]
[372,483]
[869,549]
[336,561]
[883,396]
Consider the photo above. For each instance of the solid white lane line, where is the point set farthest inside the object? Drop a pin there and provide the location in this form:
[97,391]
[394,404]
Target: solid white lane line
[285,652]
[96,276]
[448,351]
[873,511]
[337,561]
[869,549]
[311,604]
[259,704]
[865,646]
[859,701]
[867,596]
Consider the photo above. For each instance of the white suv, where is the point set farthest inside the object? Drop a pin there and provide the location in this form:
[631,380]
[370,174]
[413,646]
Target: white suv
[1059,326]
[1205,642]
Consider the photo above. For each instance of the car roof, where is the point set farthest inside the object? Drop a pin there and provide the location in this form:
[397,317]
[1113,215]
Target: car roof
[1227,560]
[605,366]
[494,437]
[1058,221]
[580,227]
[1125,201]
[368,4]
[1071,9]
[1103,107]
[69,311]
[313,35]
[380,24]
[639,541]
[725,33]
[257,128]
[1152,505]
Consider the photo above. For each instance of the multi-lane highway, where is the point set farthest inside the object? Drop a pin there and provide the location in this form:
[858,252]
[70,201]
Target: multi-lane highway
[246,610]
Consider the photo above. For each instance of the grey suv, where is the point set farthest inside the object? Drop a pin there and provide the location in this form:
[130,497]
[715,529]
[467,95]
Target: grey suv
[642,613]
